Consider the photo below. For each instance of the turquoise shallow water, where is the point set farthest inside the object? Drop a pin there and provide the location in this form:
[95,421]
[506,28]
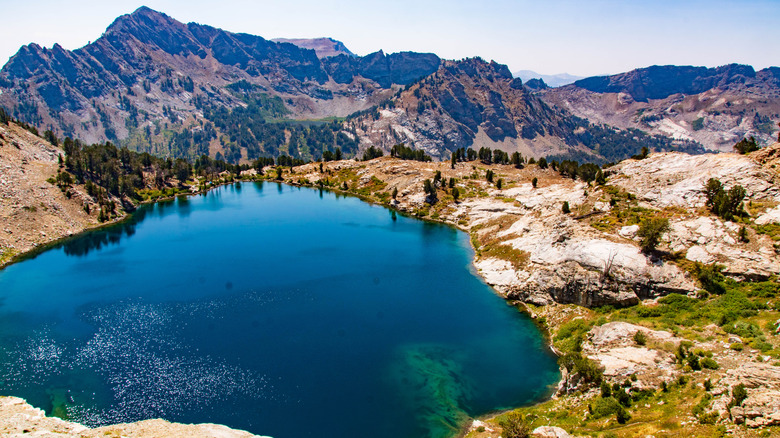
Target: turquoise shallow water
[284,311]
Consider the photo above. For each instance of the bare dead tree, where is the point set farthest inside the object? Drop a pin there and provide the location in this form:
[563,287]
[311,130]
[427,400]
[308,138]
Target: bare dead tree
[608,263]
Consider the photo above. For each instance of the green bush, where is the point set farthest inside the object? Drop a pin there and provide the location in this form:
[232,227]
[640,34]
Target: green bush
[738,395]
[693,362]
[760,344]
[576,363]
[744,330]
[640,338]
[623,416]
[606,390]
[745,146]
[650,232]
[622,397]
[514,426]
[710,364]
[725,204]
[603,407]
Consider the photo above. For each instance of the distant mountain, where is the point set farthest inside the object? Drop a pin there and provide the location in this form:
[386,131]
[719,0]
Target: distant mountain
[716,107]
[154,84]
[323,47]
[149,73]
[551,80]
[660,82]
[473,103]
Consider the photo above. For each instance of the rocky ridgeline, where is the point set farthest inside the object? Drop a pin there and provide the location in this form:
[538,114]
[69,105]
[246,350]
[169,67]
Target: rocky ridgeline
[148,69]
[676,181]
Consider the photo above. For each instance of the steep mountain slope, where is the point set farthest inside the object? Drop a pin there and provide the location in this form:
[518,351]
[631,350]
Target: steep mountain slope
[324,47]
[473,103]
[34,211]
[151,72]
[713,106]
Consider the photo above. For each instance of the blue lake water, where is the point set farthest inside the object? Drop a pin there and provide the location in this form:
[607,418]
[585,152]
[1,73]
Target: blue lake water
[283,311]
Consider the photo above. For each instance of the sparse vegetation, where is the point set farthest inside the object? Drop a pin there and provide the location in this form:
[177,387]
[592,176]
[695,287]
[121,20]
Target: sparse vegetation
[726,204]
[650,231]
[746,146]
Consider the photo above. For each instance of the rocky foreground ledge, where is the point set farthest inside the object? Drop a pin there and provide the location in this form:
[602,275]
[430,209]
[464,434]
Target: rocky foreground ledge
[18,418]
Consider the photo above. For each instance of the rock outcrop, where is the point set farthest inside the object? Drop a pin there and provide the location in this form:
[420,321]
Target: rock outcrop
[613,348]
[762,384]
[550,432]
[323,47]
[18,418]
[676,181]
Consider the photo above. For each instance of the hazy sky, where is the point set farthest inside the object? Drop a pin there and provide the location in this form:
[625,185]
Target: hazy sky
[579,37]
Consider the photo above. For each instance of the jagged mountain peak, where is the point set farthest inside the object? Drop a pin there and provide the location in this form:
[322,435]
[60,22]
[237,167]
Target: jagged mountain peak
[470,103]
[477,66]
[141,17]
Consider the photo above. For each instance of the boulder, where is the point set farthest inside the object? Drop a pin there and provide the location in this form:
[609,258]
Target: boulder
[550,432]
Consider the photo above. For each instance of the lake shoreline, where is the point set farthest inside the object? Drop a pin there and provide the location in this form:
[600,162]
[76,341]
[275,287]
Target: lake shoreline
[478,212]
[130,217]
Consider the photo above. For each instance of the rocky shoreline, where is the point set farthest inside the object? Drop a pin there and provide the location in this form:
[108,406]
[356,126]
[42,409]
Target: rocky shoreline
[18,418]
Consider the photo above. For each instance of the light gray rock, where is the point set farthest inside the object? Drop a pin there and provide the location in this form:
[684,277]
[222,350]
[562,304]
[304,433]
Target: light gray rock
[613,347]
[676,179]
[629,231]
[762,405]
[550,432]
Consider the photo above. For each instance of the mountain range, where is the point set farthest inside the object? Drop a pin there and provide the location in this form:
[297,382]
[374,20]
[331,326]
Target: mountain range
[154,84]
[715,107]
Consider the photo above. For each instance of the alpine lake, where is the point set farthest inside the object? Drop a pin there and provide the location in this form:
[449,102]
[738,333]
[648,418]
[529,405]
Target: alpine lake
[284,311]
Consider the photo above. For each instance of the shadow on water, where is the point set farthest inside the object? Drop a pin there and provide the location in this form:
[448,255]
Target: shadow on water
[184,206]
[104,237]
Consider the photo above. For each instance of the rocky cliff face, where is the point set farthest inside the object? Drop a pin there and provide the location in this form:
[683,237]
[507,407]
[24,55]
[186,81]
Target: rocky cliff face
[396,68]
[660,82]
[716,107]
